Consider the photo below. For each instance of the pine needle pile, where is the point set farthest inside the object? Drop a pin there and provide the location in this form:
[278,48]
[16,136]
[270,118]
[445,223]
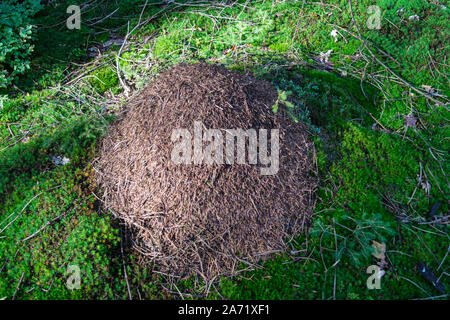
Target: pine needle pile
[205,219]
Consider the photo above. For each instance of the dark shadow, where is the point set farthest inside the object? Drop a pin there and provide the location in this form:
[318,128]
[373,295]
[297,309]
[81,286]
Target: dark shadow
[59,50]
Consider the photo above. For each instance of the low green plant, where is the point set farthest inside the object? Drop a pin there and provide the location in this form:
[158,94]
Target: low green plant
[353,236]
[104,79]
[15,37]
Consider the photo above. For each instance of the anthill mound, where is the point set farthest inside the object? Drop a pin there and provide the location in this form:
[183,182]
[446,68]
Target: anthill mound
[204,218]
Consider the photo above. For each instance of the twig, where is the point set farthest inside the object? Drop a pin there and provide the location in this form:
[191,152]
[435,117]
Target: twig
[103,19]
[23,209]
[44,226]
[432,298]
[446,254]
[18,285]
[423,93]
[415,284]
[125,269]
[336,261]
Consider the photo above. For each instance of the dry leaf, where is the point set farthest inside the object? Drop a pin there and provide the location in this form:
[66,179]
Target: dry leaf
[380,249]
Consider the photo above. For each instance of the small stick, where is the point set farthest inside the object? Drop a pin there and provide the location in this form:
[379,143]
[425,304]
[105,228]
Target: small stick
[18,285]
[45,225]
[125,269]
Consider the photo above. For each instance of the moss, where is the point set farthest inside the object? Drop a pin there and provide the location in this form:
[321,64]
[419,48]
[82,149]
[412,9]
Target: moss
[372,164]
[104,79]
[164,46]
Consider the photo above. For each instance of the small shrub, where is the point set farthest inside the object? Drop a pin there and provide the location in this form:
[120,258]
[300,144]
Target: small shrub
[15,36]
